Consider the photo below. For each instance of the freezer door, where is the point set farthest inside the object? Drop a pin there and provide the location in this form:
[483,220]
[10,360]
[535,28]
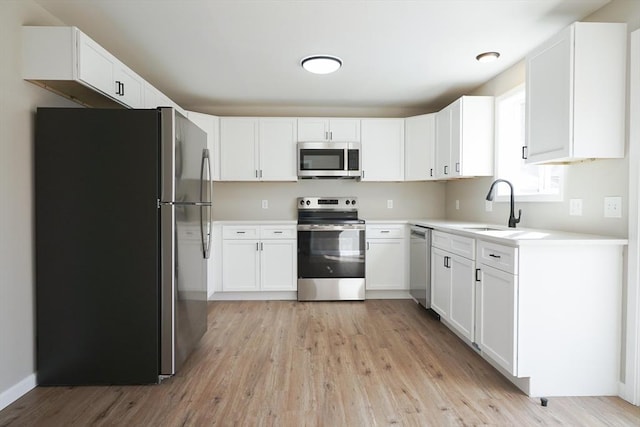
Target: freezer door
[183,147]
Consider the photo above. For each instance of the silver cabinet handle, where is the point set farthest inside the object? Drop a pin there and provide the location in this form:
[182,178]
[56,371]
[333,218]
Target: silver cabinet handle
[495,256]
[457,166]
[384,231]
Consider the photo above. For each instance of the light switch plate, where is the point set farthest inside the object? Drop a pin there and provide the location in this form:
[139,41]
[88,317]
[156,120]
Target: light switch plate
[265,204]
[613,207]
[389,204]
[488,205]
[457,205]
[575,207]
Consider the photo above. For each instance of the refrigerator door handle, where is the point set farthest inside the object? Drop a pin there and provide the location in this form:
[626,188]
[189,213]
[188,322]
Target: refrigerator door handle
[205,179]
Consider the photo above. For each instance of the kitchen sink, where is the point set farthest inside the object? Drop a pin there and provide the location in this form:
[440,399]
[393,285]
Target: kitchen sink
[483,229]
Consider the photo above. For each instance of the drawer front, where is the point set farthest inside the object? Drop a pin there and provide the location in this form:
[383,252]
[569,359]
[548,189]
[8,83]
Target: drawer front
[459,245]
[278,232]
[240,232]
[502,257]
[382,231]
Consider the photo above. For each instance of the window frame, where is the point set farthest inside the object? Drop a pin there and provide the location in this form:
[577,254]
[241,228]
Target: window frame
[559,197]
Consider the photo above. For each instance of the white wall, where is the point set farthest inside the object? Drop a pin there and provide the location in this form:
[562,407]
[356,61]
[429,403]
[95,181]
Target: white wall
[242,201]
[18,100]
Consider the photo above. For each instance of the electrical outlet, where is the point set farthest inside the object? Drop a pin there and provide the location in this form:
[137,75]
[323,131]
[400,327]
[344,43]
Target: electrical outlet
[457,205]
[389,204]
[613,207]
[488,206]
[575,207]
[265,204]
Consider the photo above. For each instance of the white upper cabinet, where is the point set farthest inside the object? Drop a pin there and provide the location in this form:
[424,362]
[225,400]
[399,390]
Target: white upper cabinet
[576,95]
[257,149]
[320,129]
[277,138]
[419,147]
[211,125]
[465,138]
[70,63]
[382,149]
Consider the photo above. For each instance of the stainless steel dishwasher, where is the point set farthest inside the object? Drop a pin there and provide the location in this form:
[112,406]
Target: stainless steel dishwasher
[420,265]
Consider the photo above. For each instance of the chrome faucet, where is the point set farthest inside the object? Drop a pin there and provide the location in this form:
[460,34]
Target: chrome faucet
[512,219]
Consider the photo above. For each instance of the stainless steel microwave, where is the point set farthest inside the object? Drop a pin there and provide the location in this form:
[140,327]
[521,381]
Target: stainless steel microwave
[328,159]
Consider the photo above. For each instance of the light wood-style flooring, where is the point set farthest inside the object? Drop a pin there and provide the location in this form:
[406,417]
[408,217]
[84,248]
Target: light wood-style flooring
[286,363]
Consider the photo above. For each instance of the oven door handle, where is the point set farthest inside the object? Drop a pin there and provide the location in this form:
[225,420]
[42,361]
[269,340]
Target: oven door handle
[330,227]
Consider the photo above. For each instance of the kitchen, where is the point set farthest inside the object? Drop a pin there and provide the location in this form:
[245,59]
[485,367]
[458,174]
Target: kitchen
[589,181]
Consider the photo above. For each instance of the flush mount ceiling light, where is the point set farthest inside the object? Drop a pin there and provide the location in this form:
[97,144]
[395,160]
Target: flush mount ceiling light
[321,64]
[487,56]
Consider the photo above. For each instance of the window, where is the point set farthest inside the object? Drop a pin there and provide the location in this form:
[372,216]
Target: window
[531,183]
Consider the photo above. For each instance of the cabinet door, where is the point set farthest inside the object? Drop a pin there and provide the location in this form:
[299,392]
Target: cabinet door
[95,65]
[278,149]
[382,149]
[462,316]
[313,129]
[385,266]
[344,130]
[238,149]
[549,92]
[440,282]
[240,265]
[129,87]
[443,143]
[496,317]
[455,141]
[419,147]
[278,265]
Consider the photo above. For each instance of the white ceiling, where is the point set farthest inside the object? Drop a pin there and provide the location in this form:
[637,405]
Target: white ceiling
[214,55]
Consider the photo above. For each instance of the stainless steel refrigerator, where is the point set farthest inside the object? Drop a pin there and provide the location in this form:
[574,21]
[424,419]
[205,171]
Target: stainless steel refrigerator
[122,231]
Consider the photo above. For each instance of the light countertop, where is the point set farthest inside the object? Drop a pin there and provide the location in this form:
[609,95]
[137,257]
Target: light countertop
[517,236]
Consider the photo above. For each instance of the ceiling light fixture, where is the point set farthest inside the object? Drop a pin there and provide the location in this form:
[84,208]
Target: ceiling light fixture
[321,64]
[487,56]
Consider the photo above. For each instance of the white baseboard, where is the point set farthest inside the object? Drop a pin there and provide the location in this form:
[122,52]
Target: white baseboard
[16,391]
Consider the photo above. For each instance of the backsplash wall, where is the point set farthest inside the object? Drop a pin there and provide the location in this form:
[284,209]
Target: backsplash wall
[243,200]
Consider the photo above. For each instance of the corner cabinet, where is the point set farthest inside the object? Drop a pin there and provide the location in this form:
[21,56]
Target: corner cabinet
[576,92]
[382,148]
[419,147]
[211,125]
[320,129]
[259,258]
[465,138]
[70,63]
[258,149]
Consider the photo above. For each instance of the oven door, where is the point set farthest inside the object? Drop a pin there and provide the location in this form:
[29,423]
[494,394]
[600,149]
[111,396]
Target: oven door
[331,262]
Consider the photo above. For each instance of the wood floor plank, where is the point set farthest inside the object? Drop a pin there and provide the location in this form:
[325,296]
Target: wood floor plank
[288,363]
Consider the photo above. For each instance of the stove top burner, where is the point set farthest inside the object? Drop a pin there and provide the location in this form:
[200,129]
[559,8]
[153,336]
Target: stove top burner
[328,210]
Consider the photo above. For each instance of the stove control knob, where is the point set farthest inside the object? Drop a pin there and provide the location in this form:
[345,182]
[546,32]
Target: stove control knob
[301,202]
[353,202]
[308,202]
[348,202]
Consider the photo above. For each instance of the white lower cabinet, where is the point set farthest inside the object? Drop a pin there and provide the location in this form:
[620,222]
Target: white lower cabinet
[496,316]
[259,258]
[453,282]
[386,257]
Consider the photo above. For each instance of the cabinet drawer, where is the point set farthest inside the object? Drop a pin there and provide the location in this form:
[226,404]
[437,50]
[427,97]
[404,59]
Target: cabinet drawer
[503,258]
[278,232]
[240,232]
[463,246]
[392,231]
